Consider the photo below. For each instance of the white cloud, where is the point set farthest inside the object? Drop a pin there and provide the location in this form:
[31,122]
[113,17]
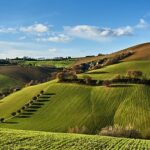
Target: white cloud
[7,30]
[36,28]
[97,33]
[57,38]
[142,24]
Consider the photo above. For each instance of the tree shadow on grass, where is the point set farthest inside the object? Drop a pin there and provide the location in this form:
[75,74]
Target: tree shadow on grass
[37,104]
[27,113]
[49,94]
[44,97]
[121,85]
[23,116]
[31,110]
[43,100]
[98,72]
[10,122]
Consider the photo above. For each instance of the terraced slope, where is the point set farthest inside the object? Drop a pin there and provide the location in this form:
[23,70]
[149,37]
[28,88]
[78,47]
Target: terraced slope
[121,68]
[18,139]
[71,105]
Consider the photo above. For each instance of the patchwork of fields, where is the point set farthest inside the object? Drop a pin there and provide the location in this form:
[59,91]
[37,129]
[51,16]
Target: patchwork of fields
[19,139]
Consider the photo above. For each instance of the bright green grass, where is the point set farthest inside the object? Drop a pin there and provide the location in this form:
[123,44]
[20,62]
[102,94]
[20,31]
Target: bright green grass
[63,63]
[15,101]
[19,139]
[6,82]
[79,105]
[121,68]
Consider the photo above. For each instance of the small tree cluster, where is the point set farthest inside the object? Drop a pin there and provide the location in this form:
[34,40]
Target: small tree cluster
[87,79]
[66,75]
[106,83]
[80,130]
[120,132]
[2,120]
[134,74]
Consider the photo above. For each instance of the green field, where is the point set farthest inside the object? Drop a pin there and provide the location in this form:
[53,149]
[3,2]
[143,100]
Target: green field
[121,68]
[6,82]
[70,105]
[18,99]
[19,139]
[59,64]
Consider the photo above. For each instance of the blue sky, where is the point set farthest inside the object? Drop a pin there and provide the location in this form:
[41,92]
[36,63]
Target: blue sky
[50,28]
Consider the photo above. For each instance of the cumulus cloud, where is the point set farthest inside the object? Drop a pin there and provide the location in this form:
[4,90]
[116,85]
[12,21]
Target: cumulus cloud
[97,33]
[57,38]
[36,28]
[142,24]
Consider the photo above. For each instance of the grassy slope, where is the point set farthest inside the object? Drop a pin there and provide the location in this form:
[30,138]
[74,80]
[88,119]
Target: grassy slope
[25,74]
[16,100]
[76,105]
[121,68]
[18,139]
[63,63]
[6,82]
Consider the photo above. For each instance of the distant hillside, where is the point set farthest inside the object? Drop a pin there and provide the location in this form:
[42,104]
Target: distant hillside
[141,52]
[25,73]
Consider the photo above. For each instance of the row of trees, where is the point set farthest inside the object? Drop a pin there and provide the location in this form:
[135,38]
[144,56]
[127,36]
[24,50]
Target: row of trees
[6,91]
[132,76]
[27,105]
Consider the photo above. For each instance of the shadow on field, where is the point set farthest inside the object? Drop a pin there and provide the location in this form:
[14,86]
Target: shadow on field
[121,85]
[28,112]
[10,122]
[98,72]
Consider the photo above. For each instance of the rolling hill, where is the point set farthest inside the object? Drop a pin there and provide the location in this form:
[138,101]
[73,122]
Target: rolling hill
[12,76]
[141,52]
[18,139]
[69,105]
[111,71]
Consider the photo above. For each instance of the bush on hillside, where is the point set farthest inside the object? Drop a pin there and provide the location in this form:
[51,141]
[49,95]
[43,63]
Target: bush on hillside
[87,79]
[106,83]
[80,130]
[120,132]
[66,75]
[13,113]
[41,92]
[19,111]
[2,119]
[134,74]
[34,98]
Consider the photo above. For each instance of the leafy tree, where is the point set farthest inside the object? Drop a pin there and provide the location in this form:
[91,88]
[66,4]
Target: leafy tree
[2,119]
[13,113]
[134,74]
[87,79]
[106,83]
